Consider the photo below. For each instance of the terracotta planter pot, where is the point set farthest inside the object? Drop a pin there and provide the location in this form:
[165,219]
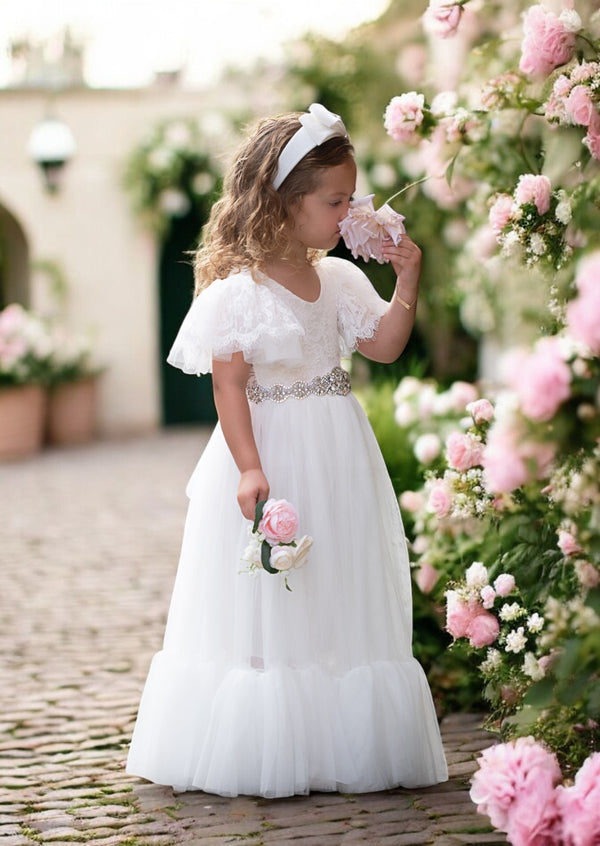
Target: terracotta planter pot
[71,415]
[22,416]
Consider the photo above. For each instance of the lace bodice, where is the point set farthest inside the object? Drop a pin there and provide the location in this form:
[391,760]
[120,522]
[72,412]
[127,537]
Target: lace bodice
[285,338]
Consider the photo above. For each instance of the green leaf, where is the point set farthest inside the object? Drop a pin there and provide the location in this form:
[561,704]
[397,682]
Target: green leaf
[258,513]
[265,557]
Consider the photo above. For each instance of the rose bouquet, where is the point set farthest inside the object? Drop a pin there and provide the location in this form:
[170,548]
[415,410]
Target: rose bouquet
[273,544]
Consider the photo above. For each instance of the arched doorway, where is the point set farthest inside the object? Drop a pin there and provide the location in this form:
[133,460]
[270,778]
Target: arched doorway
[185,399]
[14,261]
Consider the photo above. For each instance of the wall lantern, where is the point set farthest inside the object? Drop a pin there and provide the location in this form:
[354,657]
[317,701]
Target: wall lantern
[51,145]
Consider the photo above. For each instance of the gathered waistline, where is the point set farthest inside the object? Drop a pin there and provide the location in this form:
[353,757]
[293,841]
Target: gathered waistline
[334,383]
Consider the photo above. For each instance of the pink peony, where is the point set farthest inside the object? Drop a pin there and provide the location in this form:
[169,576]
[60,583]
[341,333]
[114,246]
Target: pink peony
[580,106]
[481,410]
[442,17]
[542,380]
[579,805]
[403,115]
[500,212]
[488,595]
[483,629]
[567,543]
[547,42]
[440,499]
[534,819]
[427,577]
[532,188]
[459,613]
[504,584]
[464,450]
[279,522]
[514,785]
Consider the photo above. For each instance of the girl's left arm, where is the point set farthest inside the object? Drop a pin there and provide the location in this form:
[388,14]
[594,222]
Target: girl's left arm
[396,325]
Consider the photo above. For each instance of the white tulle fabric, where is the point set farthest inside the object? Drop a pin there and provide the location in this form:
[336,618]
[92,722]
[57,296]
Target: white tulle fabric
[258,690]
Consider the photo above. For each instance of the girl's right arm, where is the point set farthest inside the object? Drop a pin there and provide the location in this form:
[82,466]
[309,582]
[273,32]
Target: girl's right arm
[229,387]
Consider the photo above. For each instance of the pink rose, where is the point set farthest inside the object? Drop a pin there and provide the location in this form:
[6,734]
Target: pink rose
[542,380]
[510,461]
[403,115]
[481,410]
[532,188]
[279,522]
[588,576]
[482,630]
[427,577]
[442,17]
[504,584]
[583,313]
[411,501]
[488,595]
[461,394]
[579,805]
[427,448]
[547,42]
[464,450]
[534,819]
[440,499]
[580,106]
[567,543]
[500,212]
[507,773]
[459,614]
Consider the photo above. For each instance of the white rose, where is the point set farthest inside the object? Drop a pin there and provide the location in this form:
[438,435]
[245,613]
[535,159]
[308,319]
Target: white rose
[252,551]
[516,640]
[301,551]
[282,557]
[570,20]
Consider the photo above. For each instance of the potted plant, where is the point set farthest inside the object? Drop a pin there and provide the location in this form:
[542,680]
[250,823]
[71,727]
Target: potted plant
[24,355]
[72,390]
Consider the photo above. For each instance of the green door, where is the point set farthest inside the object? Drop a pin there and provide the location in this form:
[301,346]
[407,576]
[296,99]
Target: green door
[185,398]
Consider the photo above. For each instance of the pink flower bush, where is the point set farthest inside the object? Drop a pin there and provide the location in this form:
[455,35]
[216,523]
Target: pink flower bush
[579,805]
[464,450]
[510,461]
[514,786]
[279,523]
[468,618]
[481,410]
[583,313]
[501,212]
[442,17]
[363,229]
[403,116]
[542,379]
[532,188]
[547,42]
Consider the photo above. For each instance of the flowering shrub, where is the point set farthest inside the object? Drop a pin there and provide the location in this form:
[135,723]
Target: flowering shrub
[25,347]
[171,173]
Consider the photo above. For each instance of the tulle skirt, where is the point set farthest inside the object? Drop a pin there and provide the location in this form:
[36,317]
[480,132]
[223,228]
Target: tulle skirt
[260,690]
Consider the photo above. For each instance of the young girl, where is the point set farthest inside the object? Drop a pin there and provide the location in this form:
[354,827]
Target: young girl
[259,690]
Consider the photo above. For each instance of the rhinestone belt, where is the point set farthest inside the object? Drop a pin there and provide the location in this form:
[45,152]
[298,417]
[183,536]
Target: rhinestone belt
[334,383]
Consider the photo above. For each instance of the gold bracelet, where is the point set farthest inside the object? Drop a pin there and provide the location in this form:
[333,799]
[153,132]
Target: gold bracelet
[406,305]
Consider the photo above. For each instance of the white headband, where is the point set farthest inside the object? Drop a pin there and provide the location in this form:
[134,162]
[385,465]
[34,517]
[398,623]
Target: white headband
[318,125]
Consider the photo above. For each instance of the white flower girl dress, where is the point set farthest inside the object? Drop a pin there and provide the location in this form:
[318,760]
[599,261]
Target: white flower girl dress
[259,690]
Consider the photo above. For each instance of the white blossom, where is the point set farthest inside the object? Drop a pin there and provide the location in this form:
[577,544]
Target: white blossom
[516,640]
[535,623]
[510,612]
[531,667]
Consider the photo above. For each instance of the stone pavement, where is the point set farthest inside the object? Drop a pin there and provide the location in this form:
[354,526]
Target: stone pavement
[89,539]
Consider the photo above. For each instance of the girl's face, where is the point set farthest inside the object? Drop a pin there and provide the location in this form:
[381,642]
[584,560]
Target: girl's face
[316,220]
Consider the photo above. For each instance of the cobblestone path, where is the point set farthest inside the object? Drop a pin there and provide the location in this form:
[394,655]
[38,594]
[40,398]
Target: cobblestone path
[89,541]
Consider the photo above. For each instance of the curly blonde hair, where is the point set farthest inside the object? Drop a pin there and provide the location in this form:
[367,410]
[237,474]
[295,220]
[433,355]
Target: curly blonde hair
[248,224]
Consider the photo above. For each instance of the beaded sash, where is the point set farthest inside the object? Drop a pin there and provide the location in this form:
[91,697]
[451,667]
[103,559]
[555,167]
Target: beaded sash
[334,383]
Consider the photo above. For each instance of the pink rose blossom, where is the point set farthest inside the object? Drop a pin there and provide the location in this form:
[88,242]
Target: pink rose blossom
[363,229]
[580,106]
[588,576]
[459,614]
[504,584]
[500,212]
[427,447]
[442,17]
[542,380]
[481,410]
[483,629]
[512,777]
[411,501]
[547,42]
[583,313]
[464,450]
[488,595]
[510,461]
[427,577]
[567,543]
[440,499]
[532,188]
[461,394]
[534,819]
[579,805]
[403,115]
[279,522]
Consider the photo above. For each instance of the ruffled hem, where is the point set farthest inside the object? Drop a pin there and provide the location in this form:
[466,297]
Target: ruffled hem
[359,306]
[286,731]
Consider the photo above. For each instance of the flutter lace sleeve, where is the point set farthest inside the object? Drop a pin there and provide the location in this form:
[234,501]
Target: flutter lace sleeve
[359,306]
[232,315]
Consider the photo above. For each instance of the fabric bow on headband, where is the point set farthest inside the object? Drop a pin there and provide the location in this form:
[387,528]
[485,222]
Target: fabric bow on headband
[318,125]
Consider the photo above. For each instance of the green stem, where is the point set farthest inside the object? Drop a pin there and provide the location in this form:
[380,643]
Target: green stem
[406,187]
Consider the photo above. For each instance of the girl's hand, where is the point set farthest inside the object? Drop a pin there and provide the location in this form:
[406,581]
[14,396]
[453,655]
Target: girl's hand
[406,261]
[253,488]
